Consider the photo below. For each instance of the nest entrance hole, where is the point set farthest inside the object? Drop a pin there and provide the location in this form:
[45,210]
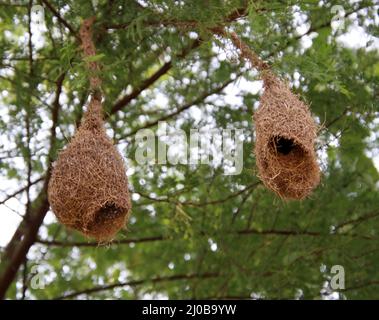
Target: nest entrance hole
[284,146]
[107,213]
[287,150]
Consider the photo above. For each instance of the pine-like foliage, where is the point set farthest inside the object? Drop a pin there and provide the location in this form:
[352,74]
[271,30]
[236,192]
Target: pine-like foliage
[203,234]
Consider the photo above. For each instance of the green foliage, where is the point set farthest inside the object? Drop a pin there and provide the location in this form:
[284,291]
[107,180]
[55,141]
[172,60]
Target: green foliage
[195,221]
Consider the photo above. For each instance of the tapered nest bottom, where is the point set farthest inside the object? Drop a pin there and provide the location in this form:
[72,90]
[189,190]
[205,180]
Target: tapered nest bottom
[104,223]
[287,168]
[88,189]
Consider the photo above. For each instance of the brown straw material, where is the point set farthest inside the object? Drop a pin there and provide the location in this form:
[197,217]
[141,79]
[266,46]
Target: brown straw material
[88,189]
[285,133]
[284,148]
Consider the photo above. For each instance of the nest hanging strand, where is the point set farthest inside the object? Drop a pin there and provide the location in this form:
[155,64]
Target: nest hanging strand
[93,119]
[88,190]
[285,133]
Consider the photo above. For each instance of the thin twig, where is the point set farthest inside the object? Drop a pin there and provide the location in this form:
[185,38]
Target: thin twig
[134,283]
[56,13]
[201,204]
[121,103]
[20,190]
[242,232]
[181,108]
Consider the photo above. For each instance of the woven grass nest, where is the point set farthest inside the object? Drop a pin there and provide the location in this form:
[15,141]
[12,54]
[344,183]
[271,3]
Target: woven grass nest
[88,189]
[285,132]
[285,137]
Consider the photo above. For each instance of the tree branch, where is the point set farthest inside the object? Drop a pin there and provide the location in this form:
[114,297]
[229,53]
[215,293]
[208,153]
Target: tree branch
[182,108]
[26,233]
[235,15]
[134,283]
[56,243]
[20,190]
[152,79]
[201,204]
[358,220]
[242,232]
[56,13]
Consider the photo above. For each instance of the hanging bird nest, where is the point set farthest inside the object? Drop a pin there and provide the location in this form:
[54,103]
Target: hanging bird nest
[285,137]
[285,133]
[88,188]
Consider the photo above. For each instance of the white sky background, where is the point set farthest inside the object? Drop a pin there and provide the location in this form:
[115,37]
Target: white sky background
[9,219]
